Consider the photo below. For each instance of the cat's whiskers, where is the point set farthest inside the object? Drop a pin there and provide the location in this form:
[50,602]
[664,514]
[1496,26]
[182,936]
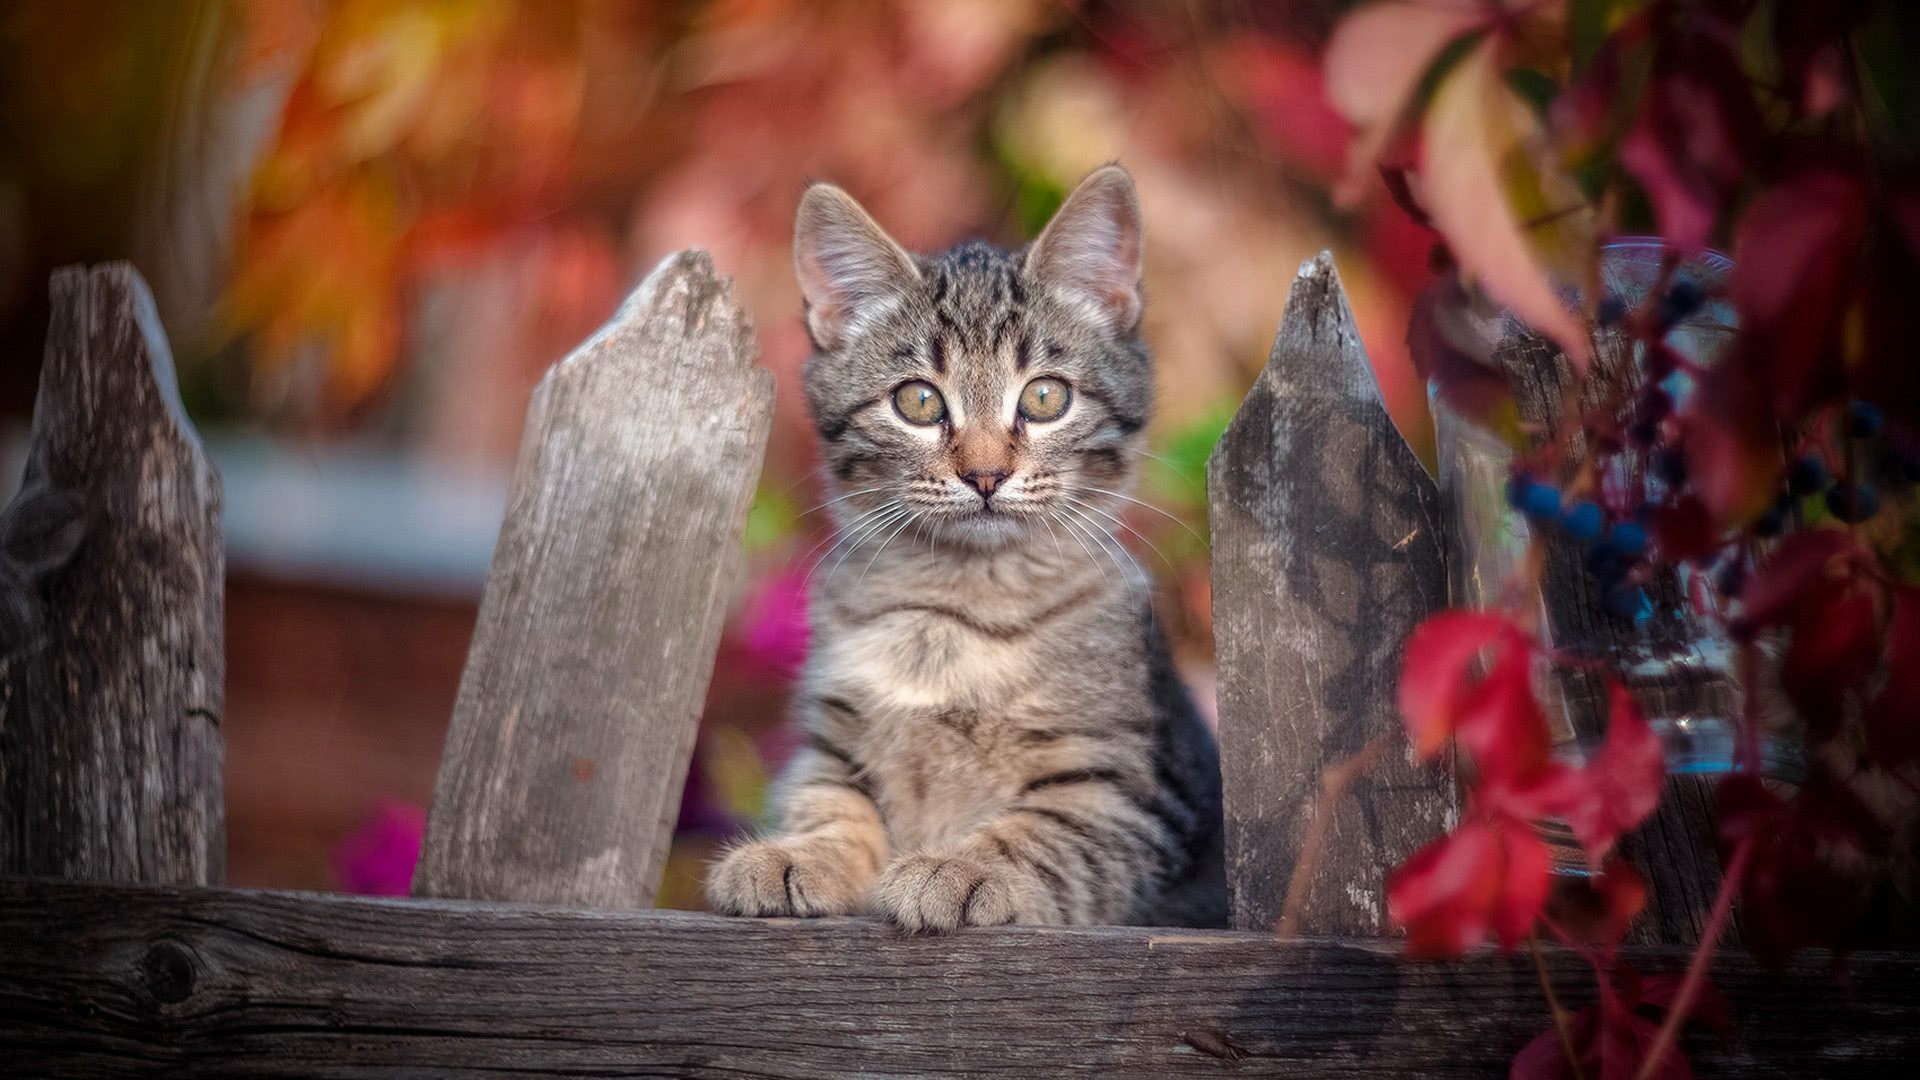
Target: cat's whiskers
[838,533]
[842,498]
[1071,531]
[1120,522]
[912,516]
[1089,488]
[1107,542]
[854,538]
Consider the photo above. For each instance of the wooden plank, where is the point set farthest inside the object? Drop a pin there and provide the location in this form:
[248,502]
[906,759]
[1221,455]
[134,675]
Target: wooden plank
[101,981]
[111,669]
[576,715]
[1327,551]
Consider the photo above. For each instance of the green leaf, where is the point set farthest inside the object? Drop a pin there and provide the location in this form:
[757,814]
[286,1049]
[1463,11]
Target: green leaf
[771,519]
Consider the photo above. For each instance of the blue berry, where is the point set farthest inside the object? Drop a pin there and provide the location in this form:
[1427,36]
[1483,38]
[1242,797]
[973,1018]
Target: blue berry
[1517,486]
[1583,520]
[1611,310]
[1541,502]
[1771,523]
[1629,602]
[1682,299]
[1807,476]
[1853,503]
[1629,539]
[1863,420]
[1671,465]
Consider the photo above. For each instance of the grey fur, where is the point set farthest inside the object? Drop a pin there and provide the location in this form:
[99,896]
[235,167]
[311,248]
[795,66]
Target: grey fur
[996,732]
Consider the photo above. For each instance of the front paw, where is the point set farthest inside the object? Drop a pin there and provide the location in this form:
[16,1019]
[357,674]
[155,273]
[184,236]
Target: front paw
[783,877]
[934,893]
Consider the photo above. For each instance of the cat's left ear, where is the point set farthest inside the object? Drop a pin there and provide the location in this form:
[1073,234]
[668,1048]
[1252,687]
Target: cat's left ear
[1089,254]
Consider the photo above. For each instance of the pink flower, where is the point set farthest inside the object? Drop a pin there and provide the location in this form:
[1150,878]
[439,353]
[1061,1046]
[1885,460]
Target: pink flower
[776,624]
[377,859]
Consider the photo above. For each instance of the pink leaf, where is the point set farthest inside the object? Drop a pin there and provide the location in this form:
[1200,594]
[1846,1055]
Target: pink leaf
[1375,62]
[1484,177]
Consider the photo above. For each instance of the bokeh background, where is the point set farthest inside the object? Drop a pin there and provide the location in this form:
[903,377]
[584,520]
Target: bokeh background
[370,225]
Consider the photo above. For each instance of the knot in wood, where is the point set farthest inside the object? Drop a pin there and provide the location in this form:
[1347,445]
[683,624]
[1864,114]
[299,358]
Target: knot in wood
[166,973]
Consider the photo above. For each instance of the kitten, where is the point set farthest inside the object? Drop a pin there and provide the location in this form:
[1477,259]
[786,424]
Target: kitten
[995,731]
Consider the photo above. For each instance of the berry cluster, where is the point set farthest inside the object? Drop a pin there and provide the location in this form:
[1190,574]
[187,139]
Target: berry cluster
[1612,552]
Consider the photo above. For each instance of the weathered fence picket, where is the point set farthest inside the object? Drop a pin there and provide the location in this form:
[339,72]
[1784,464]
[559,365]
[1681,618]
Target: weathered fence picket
[112,674]
[1327,551]
[581,698]
[570,745]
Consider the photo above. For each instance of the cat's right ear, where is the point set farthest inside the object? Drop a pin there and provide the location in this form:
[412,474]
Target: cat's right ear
[850,270]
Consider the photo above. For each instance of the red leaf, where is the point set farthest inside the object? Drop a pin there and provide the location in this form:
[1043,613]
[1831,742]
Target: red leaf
[1500,722]
[1435,679]
[1695,137]
[1893,716]
[1774,591]
[1488,877]
[1623,780]
[1611,1041]
[1795,255]
[1685,530]
[1835,647]
[1732,438]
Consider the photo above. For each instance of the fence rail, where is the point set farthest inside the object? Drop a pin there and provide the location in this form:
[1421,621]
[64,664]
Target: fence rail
[570,743]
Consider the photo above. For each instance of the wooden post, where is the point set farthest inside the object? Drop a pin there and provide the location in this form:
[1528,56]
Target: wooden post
[576,715]
[111,670]
[1327,551]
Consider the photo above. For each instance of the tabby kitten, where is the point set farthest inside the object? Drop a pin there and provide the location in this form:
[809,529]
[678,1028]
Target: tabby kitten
[995,731]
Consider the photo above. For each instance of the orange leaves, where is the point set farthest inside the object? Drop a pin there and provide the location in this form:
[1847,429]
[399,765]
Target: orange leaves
[412,129]
[1488,180]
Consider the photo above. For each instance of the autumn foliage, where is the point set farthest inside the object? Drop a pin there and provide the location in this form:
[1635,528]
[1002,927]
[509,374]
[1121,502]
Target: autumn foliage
[1526,135]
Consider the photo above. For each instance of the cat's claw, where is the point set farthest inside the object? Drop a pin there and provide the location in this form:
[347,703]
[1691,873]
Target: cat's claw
[768,878]
[935,893]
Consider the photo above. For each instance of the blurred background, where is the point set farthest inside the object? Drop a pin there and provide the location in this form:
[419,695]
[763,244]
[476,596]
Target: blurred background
[370,225]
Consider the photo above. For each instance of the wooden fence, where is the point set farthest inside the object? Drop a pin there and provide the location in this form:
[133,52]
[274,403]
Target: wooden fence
[527,950]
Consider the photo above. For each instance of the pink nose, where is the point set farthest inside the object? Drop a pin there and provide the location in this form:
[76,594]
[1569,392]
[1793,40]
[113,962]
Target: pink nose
[984,480]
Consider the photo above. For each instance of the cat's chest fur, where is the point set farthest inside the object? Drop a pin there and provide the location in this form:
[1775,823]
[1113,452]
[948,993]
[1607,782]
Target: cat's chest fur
[944,698]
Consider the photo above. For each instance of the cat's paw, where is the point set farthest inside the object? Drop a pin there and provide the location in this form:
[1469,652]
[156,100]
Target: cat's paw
[934,893]
[783,877]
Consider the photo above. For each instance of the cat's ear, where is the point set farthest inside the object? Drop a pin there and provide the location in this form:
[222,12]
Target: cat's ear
[1089,254]
[850,270]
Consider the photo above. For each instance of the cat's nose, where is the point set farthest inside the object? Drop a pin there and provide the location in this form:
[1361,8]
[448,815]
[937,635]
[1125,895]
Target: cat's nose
[984,480]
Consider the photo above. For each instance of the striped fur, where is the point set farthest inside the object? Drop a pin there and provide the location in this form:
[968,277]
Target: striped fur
[995,731]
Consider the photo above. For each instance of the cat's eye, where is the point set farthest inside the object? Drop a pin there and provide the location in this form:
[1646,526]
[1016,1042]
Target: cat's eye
[1044,399]
[919,403]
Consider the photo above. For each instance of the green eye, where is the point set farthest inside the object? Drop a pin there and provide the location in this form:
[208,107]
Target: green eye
[1045,399]
[919,403]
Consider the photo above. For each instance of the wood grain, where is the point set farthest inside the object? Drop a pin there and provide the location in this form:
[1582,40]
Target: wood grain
[111,668]
[576,716]
[1327,551]
[186,982]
